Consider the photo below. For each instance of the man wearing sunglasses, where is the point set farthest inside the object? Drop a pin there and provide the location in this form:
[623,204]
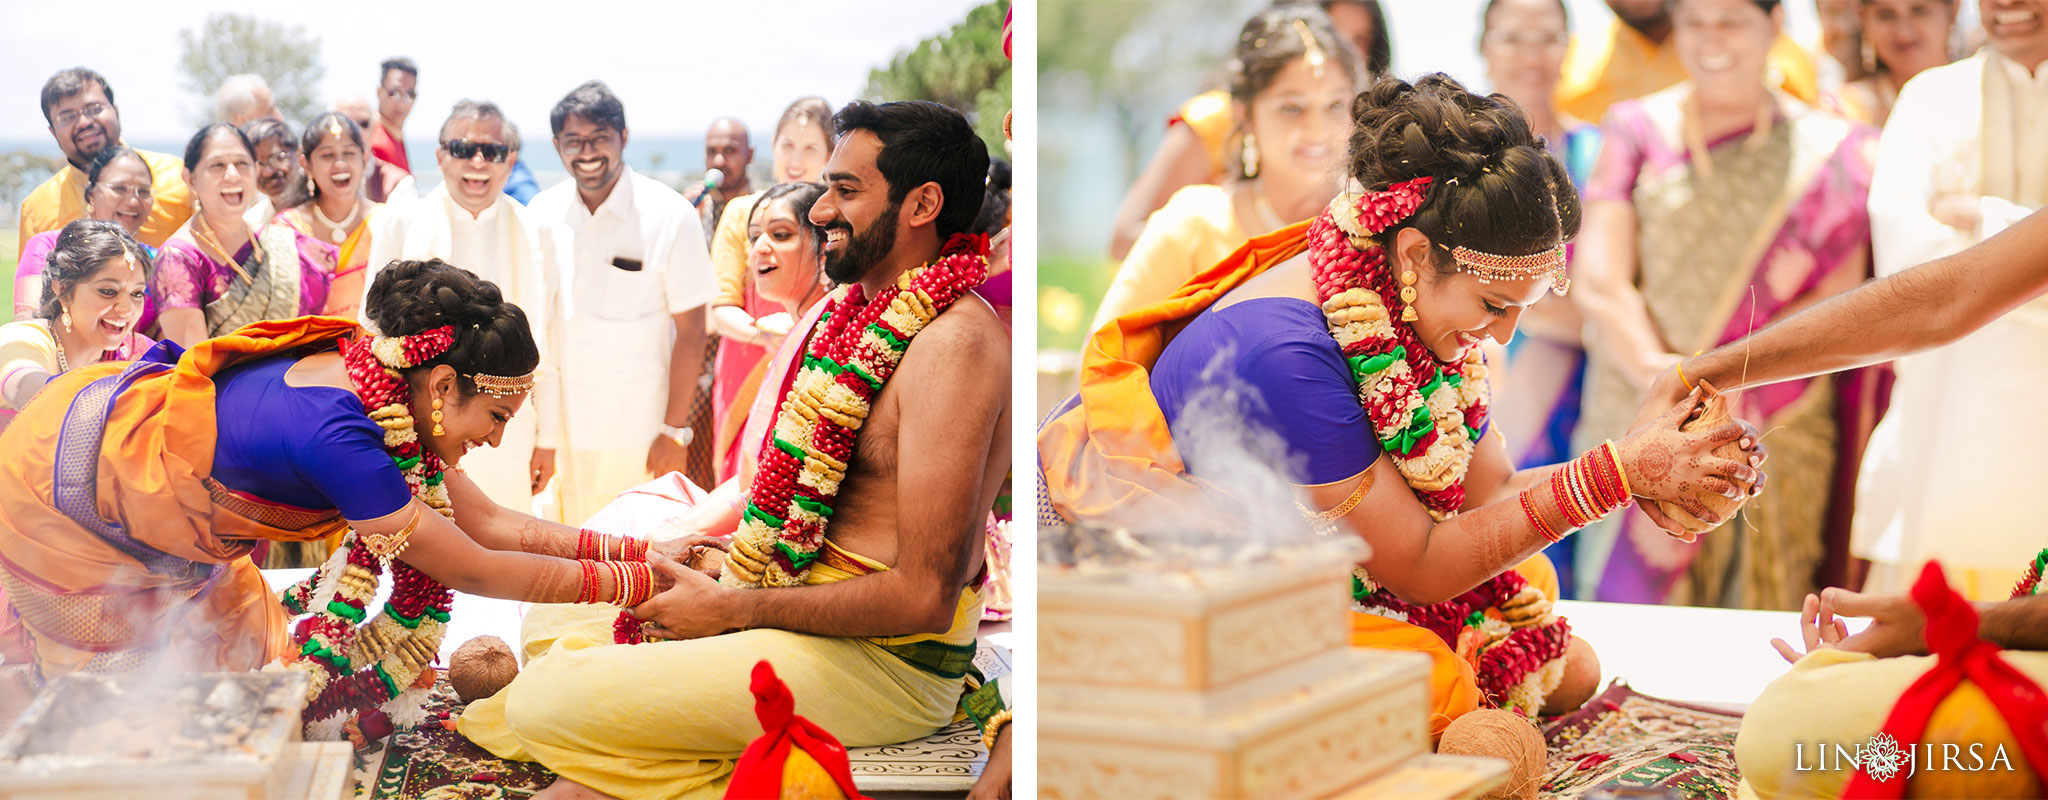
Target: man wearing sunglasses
[79,107]
[469,222]
[398,86]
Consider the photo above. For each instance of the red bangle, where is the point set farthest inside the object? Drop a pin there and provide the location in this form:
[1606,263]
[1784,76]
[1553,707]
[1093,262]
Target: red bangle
[588,592]
[1535,519]
[586,544]
[632,549]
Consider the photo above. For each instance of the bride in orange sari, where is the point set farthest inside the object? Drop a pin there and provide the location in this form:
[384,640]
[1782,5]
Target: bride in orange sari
[133,493]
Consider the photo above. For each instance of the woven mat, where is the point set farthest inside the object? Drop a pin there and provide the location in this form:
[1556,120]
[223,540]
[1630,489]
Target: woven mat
[433,762]
[1630,743]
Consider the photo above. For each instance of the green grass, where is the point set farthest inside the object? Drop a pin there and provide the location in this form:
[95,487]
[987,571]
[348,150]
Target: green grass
[1068,291]
[9,241]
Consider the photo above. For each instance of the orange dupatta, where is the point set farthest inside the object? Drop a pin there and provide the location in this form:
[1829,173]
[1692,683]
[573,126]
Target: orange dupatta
[75,590]
[1113,455]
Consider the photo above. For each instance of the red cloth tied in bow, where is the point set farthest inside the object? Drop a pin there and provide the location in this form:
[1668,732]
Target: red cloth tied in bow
[1952,637]
[759,773]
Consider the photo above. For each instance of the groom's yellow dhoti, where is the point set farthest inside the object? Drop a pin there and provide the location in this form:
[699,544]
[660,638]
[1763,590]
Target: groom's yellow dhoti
[668,719]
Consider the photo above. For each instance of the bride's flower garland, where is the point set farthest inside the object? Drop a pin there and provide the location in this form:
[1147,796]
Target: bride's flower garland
[856,349]
[1427,416]
[404,639]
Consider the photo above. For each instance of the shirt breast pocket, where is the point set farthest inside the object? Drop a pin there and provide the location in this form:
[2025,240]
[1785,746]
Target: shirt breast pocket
[621,288]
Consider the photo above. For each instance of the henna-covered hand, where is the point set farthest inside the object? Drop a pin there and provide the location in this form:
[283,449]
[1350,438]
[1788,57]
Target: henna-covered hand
[1675,466]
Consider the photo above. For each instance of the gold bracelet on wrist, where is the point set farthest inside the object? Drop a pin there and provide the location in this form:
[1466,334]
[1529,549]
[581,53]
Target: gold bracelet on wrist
[995,726]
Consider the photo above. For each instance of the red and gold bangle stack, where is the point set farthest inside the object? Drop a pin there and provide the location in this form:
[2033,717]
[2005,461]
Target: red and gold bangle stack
[632,582]
[1584,490]
[596,546]
[589,592]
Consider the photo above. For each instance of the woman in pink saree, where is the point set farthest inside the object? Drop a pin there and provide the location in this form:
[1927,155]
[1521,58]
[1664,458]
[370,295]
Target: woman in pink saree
[1717,207]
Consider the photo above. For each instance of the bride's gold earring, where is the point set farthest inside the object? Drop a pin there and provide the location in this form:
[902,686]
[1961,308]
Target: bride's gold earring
[1408,295]
[1251,156]
[436,417]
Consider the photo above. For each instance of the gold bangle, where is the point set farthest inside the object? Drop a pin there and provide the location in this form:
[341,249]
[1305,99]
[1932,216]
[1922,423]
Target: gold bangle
[1681,371]
[995,726]
[1357,495]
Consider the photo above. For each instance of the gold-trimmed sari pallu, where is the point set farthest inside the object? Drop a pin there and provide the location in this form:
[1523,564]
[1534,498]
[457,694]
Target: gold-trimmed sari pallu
[267,282]
[116,547]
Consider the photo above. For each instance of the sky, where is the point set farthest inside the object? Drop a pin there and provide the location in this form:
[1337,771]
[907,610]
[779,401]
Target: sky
[677,65]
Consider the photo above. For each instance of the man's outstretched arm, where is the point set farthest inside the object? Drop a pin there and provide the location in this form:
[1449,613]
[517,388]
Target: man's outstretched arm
[1928,306]
[956,385]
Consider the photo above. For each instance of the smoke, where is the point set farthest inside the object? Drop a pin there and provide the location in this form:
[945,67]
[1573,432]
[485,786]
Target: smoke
[1245,512]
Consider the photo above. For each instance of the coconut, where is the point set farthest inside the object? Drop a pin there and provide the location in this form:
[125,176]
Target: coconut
[1581,679]
[1500,734]
[481,667]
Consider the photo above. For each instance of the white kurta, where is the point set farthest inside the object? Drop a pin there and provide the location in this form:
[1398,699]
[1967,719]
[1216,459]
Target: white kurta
[500,246]
[1936,482]
[617,328]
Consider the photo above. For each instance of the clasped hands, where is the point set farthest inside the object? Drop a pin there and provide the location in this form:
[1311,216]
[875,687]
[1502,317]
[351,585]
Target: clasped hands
[691,604]
[1665,463]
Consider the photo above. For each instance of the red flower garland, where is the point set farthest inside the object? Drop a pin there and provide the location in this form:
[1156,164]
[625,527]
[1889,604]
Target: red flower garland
[1342,260]
[1338,266]
[414,594]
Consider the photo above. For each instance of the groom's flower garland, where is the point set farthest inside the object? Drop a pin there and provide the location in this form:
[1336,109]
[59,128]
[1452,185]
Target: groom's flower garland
[857,348]
[404,639]
[1427,416]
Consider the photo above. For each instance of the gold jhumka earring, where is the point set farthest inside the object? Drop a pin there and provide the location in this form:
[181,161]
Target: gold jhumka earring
[436,417]
[1408,295]
[1251,156]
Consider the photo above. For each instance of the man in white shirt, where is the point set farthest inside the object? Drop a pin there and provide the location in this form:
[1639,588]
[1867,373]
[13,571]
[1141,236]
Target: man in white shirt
[628,256]
[469,222]
[1964,155]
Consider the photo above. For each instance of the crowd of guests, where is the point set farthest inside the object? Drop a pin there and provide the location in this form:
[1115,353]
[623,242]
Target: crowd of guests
[655,309]
[1730,177]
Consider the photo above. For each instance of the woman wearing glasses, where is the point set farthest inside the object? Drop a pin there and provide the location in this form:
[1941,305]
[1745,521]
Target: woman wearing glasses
[330,205]
[117,189]
[218,272]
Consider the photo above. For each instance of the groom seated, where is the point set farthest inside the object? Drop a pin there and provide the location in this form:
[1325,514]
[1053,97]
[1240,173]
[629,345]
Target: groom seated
[855,564]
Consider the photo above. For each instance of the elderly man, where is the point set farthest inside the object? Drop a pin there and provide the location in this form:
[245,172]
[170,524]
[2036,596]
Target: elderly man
[398,86]
[278,168]
[243,99]
[384,181]
[469,222]
[727,149]
[634,278]
[868,607]
[79,107]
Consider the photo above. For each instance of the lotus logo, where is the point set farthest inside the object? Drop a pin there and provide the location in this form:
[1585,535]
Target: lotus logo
[1882,758]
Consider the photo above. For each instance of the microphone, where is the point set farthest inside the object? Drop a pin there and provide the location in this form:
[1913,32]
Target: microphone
[712,179]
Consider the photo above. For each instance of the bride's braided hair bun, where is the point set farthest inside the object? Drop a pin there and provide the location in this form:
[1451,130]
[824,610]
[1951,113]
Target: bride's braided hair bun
[1494,182]
[491,335]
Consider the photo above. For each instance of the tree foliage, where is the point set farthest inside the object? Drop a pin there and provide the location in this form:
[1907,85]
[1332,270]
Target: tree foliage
[21,171]
[230,44]
[963,68]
